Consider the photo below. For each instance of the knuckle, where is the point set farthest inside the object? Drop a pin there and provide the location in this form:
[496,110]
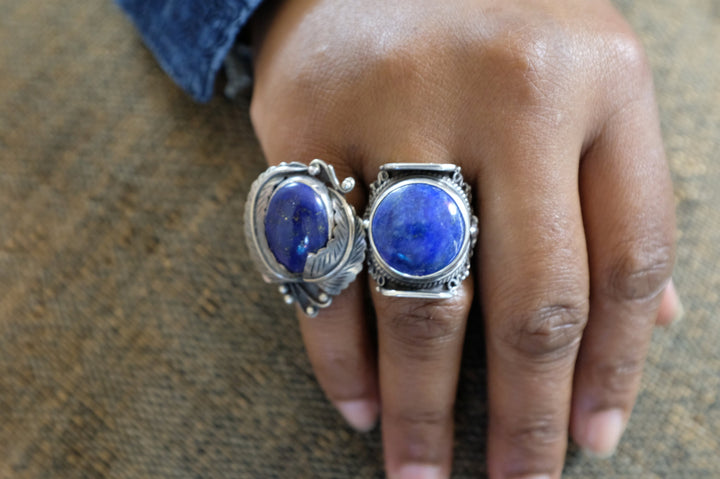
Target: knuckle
[624,66]
[522,53]
[337,363]
[431,418]
[342,373]
[396,60]
[547,332]
[535,432]
[420,431]
[626,51]
[641,271]
[619,376]
[420,325]
[527,65]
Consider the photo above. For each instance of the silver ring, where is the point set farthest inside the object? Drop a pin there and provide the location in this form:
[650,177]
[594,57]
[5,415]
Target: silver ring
[421,230]
[303,234]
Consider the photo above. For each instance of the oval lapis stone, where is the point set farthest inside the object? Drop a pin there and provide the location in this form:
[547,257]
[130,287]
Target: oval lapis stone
[296,224]
[418,229]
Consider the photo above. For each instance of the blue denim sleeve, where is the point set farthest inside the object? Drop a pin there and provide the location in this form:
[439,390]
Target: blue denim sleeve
[190,38]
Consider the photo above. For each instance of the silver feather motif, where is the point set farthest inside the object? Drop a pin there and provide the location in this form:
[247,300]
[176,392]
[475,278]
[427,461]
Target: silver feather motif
[350,267]
[334,267]
[326,173]
[323,261]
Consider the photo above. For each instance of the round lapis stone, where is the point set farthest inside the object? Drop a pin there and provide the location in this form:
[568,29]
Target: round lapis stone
[296,224]
[418,229]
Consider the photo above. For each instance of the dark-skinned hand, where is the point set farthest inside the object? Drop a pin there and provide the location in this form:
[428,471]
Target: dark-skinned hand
[548,107]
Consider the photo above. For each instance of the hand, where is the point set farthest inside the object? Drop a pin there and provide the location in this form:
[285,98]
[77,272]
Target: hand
[549,109]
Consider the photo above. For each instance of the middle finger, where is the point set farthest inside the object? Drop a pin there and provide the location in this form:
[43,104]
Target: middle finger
[415,227]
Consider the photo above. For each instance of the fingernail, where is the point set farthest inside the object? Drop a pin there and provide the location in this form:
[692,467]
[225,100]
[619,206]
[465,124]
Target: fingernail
[679,312]
[361,415]
[602,433]
[419,471]
[676,304]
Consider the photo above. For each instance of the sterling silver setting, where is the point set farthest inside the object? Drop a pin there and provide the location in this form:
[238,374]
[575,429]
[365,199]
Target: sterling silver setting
[330,269]
[441,284]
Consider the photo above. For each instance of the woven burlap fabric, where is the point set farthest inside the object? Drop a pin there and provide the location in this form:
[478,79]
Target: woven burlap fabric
[136,339]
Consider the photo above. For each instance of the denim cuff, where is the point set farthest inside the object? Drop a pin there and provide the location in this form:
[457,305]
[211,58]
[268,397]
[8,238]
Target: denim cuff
[190,38]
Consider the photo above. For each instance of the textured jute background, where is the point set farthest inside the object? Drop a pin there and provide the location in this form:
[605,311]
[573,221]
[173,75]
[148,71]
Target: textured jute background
[137,341]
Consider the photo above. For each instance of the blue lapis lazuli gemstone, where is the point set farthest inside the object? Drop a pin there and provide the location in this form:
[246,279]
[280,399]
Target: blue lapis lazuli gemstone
[296,224]
[418,229]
